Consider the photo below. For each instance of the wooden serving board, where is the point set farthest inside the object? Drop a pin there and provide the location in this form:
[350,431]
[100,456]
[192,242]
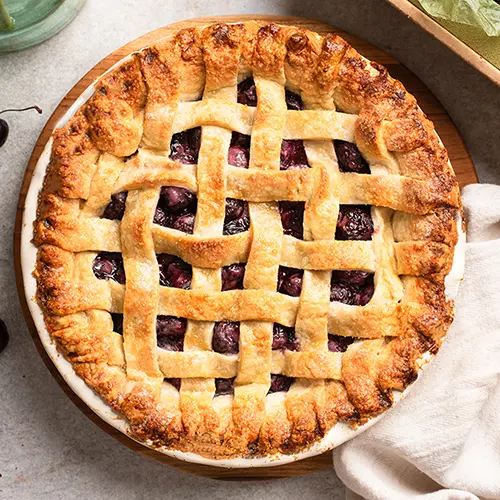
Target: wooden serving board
[459,156]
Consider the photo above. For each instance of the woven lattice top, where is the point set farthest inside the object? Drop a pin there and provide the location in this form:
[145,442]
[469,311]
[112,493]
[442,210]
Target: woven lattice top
[243,237]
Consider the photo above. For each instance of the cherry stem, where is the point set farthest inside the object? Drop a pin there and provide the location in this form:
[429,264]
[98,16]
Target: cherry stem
[39,111]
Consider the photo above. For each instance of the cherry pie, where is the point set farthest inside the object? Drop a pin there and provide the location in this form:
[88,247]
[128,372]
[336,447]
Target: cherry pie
[243,238]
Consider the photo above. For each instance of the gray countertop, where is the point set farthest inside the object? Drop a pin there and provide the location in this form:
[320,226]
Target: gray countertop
[48,448]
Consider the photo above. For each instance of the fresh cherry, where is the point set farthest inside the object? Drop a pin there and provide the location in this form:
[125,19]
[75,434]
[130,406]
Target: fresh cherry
[4,126]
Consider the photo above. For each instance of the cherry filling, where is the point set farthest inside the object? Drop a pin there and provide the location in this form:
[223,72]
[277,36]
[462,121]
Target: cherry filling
[174,272]
[117,322]
[176,209]
[232,277]
[354,223]
[247,93]
[353,288]
[349,158]
[239,150]
[226,337]
[293,155]
[170,332]
[109,265]
[116,207]
[290,281]
[280,383]
[336,343]
[185,146]
[224,386]
[176,382]
[292,218]
[284,338]
[293,101]
[237,219]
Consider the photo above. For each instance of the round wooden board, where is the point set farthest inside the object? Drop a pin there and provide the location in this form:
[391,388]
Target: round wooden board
[459,156]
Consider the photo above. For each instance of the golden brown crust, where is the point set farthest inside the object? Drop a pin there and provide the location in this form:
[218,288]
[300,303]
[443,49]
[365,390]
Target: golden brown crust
[119,141]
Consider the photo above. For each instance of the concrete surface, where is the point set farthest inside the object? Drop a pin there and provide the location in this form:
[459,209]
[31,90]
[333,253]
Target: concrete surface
[48,449]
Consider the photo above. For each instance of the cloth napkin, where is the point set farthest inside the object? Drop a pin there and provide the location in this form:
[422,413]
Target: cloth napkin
[442,442]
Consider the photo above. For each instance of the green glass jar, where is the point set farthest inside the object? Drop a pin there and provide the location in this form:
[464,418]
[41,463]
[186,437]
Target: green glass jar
[24,23]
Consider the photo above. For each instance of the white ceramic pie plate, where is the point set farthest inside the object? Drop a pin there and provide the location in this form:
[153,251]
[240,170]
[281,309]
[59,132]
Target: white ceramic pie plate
[337,435]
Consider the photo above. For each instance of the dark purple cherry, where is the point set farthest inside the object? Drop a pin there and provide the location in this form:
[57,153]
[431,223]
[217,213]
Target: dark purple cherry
[290,281]
[185,146]
[116,207]
[237,219]
[284,337]
[349,158]
[161,217]
[292,218]
[336,343]
[170,332]
[109,265]
[117,322]
[232,277]
[280,383]
[239,150]
[293,155]
[176,382]
[351,277]
[342,292]
[4,126]
[293,101]
[184,223]
[176,199]
[224,386]
[226,337]
[174,272]
[365,294]
[247,93]
[4,335]
[354,223]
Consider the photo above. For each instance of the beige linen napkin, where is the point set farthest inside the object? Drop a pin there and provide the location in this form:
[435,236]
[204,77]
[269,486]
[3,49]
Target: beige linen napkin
[442,442]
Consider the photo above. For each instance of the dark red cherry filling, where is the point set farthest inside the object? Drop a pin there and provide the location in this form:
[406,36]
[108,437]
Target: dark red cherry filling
[290,281]
[174,272]
[247,93]
[170,332]
[116,207]
[293,101]
[293,155]
[185,146]
[292,218]
[176,209]
[224,386]
[284,338]
[336,343]
[117,322]
[354,223]
[176,382]
[109,265]
[280,383]
[226,337]
[239,150]
[237,219]
[349,158]
[232,277]
[353,288]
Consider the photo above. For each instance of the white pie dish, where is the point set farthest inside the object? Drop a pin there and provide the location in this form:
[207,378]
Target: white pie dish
[337,435]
